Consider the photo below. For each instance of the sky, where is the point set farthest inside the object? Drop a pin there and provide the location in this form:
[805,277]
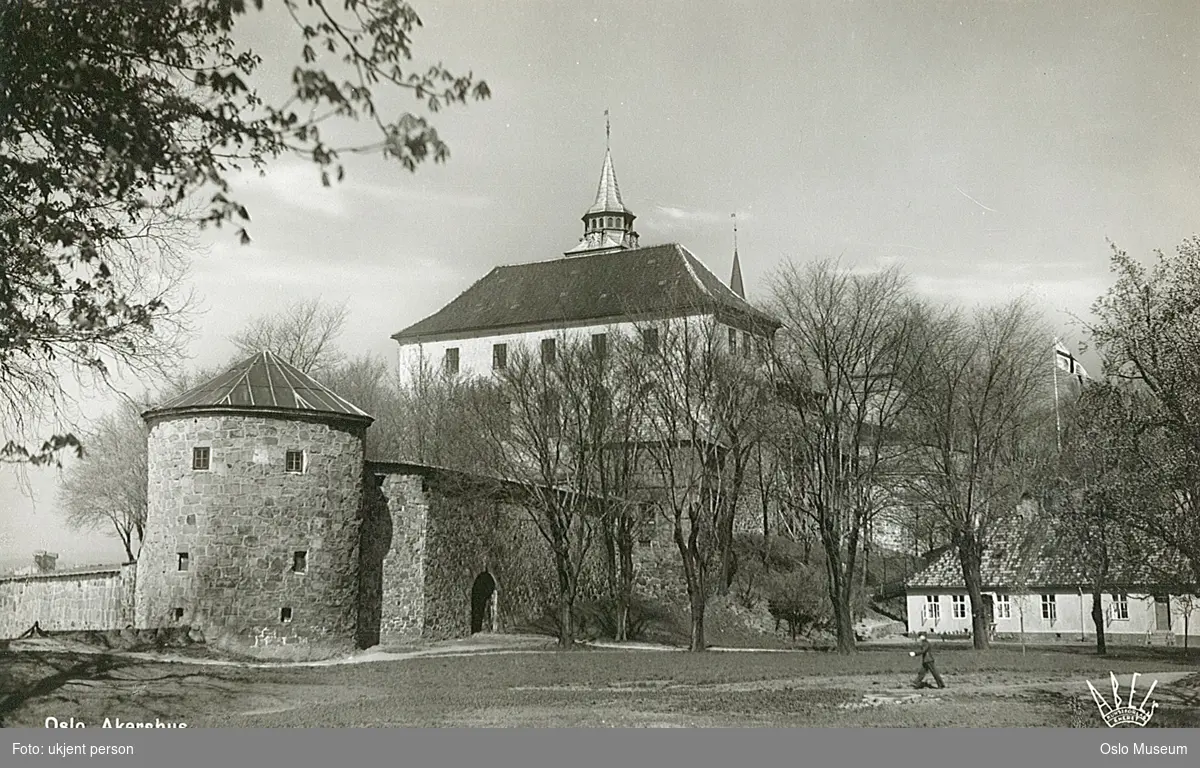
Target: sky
[992,149]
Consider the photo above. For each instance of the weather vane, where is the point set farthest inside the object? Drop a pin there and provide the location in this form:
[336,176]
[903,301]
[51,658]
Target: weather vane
[607,130]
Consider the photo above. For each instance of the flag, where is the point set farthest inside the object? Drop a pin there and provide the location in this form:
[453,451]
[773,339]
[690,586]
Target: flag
[1064,360]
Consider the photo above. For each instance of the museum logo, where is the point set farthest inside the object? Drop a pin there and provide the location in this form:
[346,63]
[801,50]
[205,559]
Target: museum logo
[1117,713]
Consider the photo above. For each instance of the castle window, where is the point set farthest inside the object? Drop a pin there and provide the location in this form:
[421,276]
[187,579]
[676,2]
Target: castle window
[200,459]
[551,414]
[732,341]
[450,361]
[178,614]
[184,561]
[599,344]
[300,562]
[499,357]
[285,615]
[650,341]
[294,461]
[548,350]
[191,519]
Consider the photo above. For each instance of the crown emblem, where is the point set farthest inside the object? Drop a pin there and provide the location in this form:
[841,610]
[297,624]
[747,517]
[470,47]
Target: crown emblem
[1118,713]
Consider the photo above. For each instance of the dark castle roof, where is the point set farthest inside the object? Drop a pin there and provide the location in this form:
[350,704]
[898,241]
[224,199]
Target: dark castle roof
[1040,554]
[662,281]
[262,383]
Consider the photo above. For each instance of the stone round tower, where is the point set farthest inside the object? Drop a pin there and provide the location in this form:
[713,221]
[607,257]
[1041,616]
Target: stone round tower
[252,520]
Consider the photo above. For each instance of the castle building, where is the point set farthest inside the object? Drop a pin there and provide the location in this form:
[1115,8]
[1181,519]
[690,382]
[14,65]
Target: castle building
[608,283]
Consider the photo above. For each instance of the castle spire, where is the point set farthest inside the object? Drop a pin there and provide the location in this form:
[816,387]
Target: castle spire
[608,224]
[735,280]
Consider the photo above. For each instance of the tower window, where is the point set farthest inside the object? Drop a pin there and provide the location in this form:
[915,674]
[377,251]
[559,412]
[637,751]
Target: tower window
[285,615]
[499,357]
[300,562]
[548,350]
[200,459]
[450,361]
[184,561]
[178,614]
[650,341]
[294,461]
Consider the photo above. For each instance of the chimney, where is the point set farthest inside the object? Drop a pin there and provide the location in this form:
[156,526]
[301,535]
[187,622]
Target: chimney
[45,561]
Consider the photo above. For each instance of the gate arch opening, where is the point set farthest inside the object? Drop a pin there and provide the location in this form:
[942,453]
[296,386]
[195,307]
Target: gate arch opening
[483,603]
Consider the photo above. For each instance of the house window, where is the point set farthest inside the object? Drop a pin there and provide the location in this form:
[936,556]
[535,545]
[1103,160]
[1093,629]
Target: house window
[732,341]
[285,615]
[746,344]
[933,610]
[294,461]
[1049,608]
[650,341]
[599,344]
[300,562]
[958,606]
[450,361]
[184,561]
[499,357]
[1120,606]
[1003,607]
[200,459]
[548,350]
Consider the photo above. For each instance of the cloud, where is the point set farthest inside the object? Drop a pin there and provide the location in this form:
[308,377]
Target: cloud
[671,217]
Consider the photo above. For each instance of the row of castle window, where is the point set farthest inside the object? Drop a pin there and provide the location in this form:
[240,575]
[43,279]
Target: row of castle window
[549,351]
[285,615]
[601,222]
[299,561]
[293,461]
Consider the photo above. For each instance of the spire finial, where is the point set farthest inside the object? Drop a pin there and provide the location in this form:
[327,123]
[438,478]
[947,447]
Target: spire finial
[735,279]
[607,131]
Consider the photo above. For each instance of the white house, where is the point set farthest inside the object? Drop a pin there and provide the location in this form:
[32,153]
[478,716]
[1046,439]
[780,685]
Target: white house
[1036,585]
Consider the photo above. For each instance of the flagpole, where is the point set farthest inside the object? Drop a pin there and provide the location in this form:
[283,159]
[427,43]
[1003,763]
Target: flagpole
[1057,415]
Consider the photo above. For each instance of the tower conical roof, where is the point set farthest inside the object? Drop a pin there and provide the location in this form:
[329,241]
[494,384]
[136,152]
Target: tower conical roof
[735,280]
[608,194]
[263,383]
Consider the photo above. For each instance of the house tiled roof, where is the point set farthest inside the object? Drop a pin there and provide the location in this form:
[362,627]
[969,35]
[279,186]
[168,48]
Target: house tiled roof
[1037,554]
[265,383]
[662,280]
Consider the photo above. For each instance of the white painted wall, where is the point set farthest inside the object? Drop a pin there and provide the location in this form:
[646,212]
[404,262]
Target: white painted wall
[475,354]
[1073,614]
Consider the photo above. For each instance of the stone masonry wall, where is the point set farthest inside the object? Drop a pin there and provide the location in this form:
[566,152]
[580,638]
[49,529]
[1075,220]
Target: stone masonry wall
[241,523]
[96,599]
[392,596]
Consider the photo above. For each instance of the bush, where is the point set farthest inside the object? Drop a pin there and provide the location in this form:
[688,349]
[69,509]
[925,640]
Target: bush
[800,600]
[594,619]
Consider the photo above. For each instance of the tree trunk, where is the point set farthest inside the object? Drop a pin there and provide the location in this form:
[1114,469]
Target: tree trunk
[566,605]
[970,555]
[625,592]
[698,604]
[1098,621]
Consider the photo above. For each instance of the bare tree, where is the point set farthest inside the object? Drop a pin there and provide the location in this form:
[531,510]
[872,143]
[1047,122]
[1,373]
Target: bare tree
[978,415]
[304,334]
[701,401]
[847,345]
[536,414]
[108,486]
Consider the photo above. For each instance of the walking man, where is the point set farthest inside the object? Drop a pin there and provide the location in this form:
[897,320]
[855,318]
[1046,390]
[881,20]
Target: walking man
[927,664]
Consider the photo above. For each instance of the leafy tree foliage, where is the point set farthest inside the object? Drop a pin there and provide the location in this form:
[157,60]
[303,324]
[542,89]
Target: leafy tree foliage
[115,116]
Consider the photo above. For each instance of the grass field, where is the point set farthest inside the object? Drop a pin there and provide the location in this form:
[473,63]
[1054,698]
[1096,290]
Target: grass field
[596,688]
